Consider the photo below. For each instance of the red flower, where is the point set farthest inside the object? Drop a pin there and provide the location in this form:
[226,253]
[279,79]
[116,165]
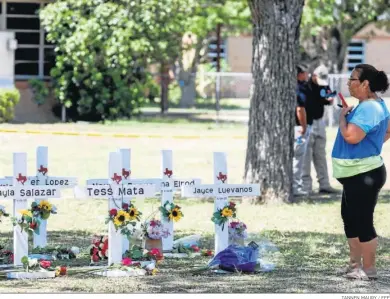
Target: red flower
[105,245]
[45,264]
[195,248]
[126,261]
[155,251]
[62,270]
[33,225]
[232,204]
[95,258]
[113,212]
[125,206]
[153,223]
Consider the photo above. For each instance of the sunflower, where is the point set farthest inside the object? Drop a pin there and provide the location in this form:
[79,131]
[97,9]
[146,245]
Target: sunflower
[226,212]
[45,205]
[121,217]
[175,214]
[133,213]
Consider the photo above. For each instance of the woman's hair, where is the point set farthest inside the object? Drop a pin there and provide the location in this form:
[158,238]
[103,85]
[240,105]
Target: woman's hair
[377,80]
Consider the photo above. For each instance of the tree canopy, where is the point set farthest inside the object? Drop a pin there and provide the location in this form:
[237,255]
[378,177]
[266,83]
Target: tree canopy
[328,25]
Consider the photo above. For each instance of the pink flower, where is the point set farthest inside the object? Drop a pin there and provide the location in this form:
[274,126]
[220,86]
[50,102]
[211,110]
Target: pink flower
[155,251]
[125,206]
[233,224]
[195,248]
[126,261]
[45,264]
[153,223]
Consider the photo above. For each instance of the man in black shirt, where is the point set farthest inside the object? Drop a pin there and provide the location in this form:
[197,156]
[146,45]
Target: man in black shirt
[301,131]
[318,95]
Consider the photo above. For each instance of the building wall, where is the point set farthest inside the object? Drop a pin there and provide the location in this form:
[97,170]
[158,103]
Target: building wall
[32,59]
[27,111]
[7,56]
[377,46]
[377,49]
[239,53]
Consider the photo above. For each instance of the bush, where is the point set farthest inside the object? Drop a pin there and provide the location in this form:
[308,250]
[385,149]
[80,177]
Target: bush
[39,90]
[100,67]
[8,100]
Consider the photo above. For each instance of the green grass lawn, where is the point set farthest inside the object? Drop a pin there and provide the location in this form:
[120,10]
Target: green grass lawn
[308,234]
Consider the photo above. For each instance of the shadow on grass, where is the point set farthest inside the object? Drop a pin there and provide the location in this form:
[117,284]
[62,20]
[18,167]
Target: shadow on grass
[305,262]
[320,198]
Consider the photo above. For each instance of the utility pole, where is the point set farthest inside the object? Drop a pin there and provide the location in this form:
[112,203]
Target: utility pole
[218,77]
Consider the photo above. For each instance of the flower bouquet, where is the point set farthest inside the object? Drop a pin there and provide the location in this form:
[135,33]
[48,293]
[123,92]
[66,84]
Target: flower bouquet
[6,256]
[137,253]
[30,219]
[99,249]
[153,232]
[171,211]
[3,213]
[221,216]
[124,219]
[137,268]
[43,209]
[28,222]
[237,232]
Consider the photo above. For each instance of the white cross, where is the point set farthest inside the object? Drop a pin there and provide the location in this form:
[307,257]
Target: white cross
[42,179]
[166,185]
[115,190]
[221,191]
[21,189]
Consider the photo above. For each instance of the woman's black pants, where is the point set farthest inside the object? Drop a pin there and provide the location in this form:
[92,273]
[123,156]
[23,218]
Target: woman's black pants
[360,194]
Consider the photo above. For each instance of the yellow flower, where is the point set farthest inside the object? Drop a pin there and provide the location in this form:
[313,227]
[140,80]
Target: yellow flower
[154,271]
[133,213]
[121,217]
[45,205]
[175,214]
[25,213]
[227,212]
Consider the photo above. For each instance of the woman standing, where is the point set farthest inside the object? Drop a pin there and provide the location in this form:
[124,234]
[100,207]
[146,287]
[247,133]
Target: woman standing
[359,167]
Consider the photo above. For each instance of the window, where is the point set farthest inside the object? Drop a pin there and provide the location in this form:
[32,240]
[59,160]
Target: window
[212,52]
[34,55]
[355,54]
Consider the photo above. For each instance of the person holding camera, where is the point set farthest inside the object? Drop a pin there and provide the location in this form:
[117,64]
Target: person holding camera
[359,167]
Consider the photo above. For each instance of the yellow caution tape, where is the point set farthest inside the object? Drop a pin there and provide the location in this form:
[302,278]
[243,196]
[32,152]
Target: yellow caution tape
[117,135]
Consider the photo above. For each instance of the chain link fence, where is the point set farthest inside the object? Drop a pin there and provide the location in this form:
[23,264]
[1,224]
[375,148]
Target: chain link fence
[230,93]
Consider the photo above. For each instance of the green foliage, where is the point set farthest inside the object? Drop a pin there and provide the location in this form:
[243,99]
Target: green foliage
[8,100]
[325,22]
[234,15]
[39,90]
[101,57]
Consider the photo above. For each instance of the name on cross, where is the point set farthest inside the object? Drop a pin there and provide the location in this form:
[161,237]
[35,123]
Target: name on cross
[159,183]
[118,191]
[28,191]
[51,182]
[44,181]
[220,190]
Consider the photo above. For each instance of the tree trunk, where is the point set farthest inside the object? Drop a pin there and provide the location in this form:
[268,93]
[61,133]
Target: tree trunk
[273,98]
[164,87]
[188,89]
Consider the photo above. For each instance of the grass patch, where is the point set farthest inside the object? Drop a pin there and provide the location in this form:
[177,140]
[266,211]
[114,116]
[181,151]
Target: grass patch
[308,234]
